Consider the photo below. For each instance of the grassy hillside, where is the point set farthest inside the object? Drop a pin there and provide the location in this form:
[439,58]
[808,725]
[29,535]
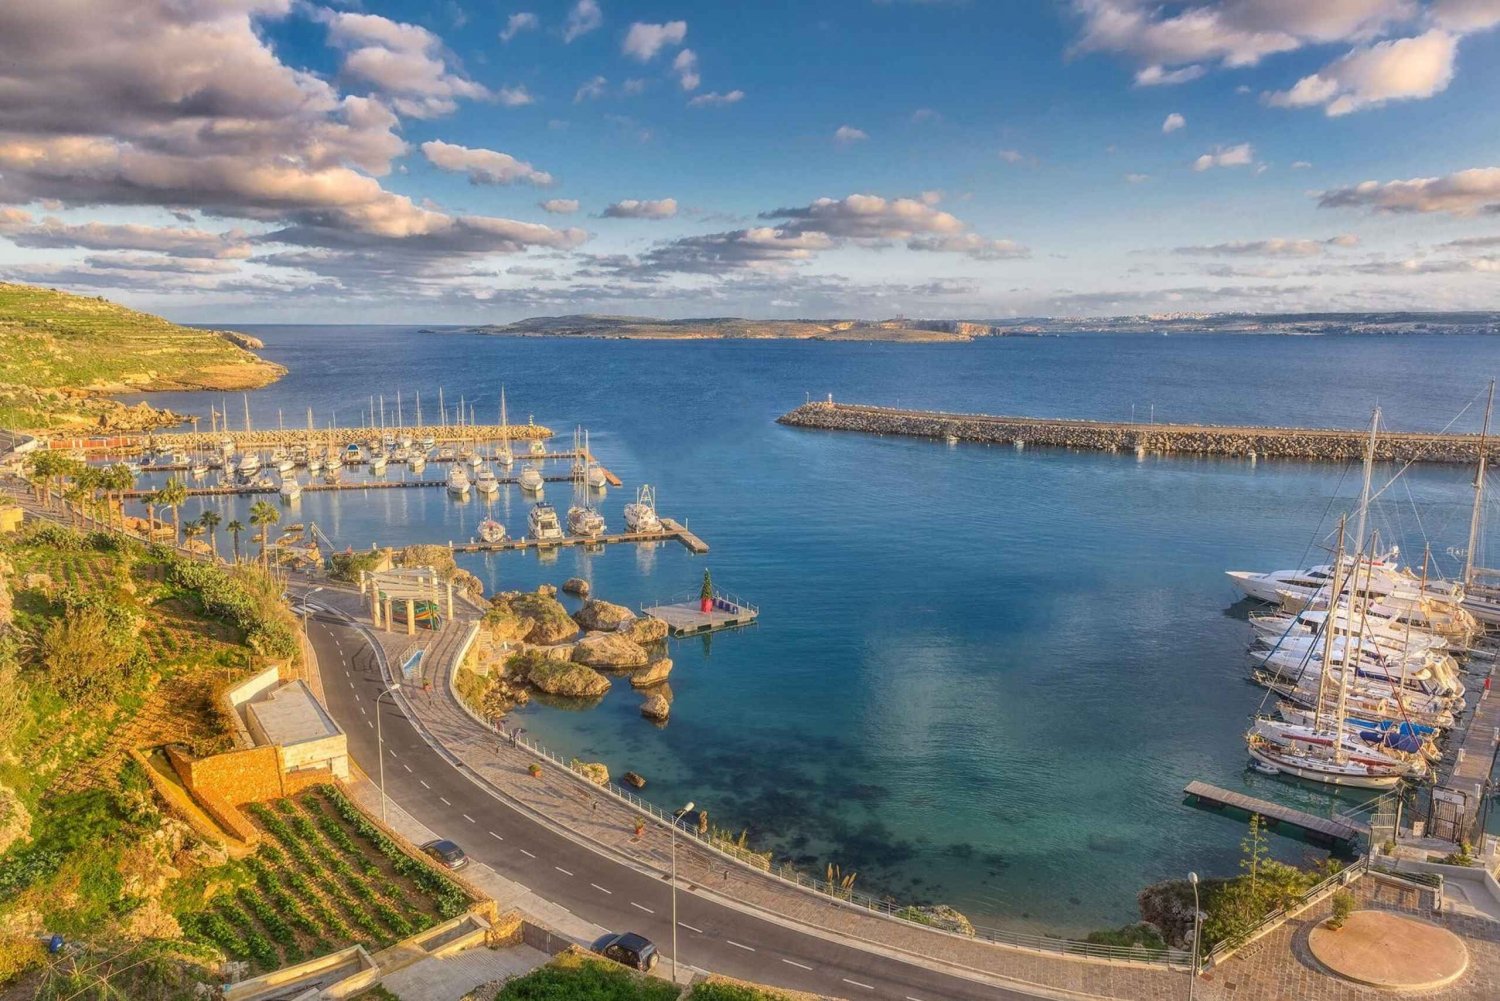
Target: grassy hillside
[734,328]
[64,353]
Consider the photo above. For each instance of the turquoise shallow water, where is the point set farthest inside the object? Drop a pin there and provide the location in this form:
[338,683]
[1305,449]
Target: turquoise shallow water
[981,676]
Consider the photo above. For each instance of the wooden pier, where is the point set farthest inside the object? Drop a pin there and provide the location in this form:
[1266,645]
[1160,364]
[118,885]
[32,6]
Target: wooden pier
[1337,833]
[247,489]
[1464,773]
[671,532]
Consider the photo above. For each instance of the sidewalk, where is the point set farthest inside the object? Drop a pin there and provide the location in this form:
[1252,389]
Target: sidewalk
[567,803]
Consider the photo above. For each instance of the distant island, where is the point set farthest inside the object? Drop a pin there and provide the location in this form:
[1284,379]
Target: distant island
[65,355]
[949,331]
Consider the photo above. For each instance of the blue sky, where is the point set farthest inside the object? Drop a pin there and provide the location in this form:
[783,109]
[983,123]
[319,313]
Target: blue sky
[282,160]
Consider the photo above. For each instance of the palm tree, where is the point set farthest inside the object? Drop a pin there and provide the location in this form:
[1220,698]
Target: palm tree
[116,480]
[173,494]
[210,521]
[263,515]
[191,531]
[234,528]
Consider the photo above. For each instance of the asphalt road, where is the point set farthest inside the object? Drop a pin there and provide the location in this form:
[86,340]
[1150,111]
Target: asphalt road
[710,935]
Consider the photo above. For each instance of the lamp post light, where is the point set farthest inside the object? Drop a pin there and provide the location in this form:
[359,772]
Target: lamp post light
[1197,919]
[676,818]
[380,747]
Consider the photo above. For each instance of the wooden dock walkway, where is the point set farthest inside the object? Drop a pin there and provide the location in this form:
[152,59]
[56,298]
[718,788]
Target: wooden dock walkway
[1467,768]
[672,532]
[249,489]
[1337,832]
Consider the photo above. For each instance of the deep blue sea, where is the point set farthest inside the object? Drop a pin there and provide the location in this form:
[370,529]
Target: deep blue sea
[981,676]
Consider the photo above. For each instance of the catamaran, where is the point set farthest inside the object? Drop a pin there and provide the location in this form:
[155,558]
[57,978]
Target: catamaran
[542,525]
[641,516]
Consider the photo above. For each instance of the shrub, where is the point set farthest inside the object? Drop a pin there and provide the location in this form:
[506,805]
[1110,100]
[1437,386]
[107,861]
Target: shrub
[1343,906]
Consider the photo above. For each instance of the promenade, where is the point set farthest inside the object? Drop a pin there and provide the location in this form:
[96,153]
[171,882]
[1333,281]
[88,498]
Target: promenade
[1321,444]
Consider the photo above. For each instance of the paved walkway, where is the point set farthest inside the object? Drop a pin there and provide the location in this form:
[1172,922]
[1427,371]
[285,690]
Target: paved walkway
[451,978]
[565,801]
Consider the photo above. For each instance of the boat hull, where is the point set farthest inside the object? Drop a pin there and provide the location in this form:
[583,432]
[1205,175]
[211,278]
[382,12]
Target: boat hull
[1303,771]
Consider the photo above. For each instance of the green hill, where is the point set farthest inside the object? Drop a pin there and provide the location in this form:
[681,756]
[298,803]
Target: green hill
[64,354]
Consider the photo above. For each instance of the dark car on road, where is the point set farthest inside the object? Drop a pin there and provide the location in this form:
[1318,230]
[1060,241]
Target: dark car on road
[447,854]
[629,949]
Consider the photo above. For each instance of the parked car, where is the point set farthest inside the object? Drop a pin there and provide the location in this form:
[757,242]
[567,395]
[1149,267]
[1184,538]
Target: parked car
[446,854]
[629,949]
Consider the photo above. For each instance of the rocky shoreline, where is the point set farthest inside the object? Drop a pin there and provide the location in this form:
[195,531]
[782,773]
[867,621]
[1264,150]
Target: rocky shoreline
[1164,439]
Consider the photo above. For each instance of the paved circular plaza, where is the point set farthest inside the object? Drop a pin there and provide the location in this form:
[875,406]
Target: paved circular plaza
[1390,951]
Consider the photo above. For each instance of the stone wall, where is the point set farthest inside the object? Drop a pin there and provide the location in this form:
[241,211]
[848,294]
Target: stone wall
[221,783]
[1240,442]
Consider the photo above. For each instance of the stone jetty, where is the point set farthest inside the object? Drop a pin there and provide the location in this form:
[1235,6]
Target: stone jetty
[1317,444]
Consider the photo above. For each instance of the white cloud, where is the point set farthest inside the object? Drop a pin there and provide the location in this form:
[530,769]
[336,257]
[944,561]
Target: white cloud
[1137,178]
[1156,76]
[633,86]
[517,23]
[1300,165]
[1274,247]
[686,68]
[922,115]
[1173,122]
[971,244]
[402,62]
[18,226]
[1466,15]
[1466,192]
[484,166]
[1394,70]
[560,206]
[514,97]
[715,99]
[1012,156]
[591,90]
[846,134]
[633,208]
[643,41]
[1240,155]
[582,19]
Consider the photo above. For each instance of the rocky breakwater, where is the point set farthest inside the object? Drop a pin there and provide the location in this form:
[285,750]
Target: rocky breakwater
[1316,444]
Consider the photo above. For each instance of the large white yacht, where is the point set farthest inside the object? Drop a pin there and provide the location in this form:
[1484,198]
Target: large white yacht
[531,479]
[542,524]
[458,480]
[640,516]
[486,482]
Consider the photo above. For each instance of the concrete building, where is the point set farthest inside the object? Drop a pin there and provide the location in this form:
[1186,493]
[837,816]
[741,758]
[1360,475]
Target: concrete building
[289,717]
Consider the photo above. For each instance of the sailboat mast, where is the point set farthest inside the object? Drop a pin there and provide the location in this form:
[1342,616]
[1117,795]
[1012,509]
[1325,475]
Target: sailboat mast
[504,427]
[1478,491]
[399,422]
[1342,705]
[419,408]
[1364,496]
[442,409]
[246,397]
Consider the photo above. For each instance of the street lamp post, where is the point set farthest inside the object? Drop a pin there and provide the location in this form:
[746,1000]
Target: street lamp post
[677,816]
[380,747]
[1197,918]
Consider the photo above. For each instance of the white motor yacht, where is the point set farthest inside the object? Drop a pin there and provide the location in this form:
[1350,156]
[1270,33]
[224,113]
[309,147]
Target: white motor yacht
[458,480]
[531,479]
[640,516]
[290,489]
[585,522]
[486,482]
[542,524]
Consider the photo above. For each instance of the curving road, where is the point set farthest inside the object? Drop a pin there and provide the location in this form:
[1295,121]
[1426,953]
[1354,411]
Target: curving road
[591,885]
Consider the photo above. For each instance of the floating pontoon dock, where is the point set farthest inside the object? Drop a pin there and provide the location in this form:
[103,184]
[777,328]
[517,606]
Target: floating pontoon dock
[686,618]
[1338,833]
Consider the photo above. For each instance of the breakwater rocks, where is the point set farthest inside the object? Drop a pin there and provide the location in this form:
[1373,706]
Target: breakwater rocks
[290,437]
[1166,439]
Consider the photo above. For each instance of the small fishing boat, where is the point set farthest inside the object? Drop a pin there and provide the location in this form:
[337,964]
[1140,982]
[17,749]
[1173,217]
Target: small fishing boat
[531,479]
[353,454]
[428,442]
[458,480]
[641,516]
[491,530]
[447,454]
[542,524]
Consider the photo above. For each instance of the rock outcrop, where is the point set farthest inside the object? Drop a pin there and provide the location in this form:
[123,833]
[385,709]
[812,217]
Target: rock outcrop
[610,652]
[532,618]
[645,630]
[602,615]
[576,585]
[635,779]
[1168,907]
[653,673]
[558,677]
[595,771]
[547,590]
[939,916]
[656,708]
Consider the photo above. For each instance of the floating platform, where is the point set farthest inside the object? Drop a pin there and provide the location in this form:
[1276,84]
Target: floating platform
[1337,833]
[686,618]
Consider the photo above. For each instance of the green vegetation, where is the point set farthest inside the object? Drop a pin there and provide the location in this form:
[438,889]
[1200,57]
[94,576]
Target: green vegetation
[1235,908]
[1137,936]
[715,989]
[577,976]
[64,351]
[348,566]
[1343,906]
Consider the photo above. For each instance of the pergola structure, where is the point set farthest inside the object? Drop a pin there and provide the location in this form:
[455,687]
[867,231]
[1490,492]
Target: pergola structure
[408,584]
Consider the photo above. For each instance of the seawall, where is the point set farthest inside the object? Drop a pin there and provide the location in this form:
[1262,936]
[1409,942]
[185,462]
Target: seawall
[1185,439]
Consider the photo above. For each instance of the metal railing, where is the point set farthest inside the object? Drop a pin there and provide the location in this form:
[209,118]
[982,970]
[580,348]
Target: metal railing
[789,875]
[687,597]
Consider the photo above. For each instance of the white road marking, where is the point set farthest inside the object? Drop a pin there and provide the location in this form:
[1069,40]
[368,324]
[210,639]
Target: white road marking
[910,998]
[527,853]
[856,983]
[793,962]
[356,694]
[370,724]
[445,801]
[640,907]
[393,752]
[424,783]
[362,710]
[690,927]
[496,836]
[468,818]
[602,889]
[738,946]
[406,766]
[562,870]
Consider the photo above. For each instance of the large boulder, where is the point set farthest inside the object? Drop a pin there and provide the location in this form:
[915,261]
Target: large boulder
[440,558]
[558,677]
[547,590]
[576,585]
[533,618]
[653,673]
[603,615]
[610,651]
[645,630]
[467,584]
[595,771]
[656,708]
